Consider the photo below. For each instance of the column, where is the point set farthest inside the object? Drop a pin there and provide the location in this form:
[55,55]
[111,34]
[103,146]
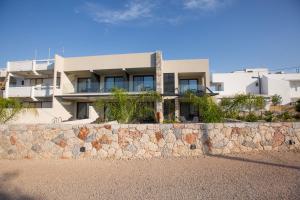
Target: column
[176,83]
[158,73]
[177,110]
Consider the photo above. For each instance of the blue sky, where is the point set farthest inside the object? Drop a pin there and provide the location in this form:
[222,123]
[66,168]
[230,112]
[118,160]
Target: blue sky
[233,34]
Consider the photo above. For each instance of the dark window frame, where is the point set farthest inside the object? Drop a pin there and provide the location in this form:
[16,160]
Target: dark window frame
[188,79]
[114,77]
[87,110]
[171,89]
[81,78]
[136,76]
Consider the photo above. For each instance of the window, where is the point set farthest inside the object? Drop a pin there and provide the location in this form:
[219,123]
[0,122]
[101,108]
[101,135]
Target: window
[143,83]
[188,85]
[114,82]
[169,85]
[12,81]
[58,82]
[84,84]
[188,111]
[217,87]
[82,110]
[38,104]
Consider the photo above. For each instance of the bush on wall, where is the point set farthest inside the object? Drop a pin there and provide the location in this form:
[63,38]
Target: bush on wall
[210,111]
[9,108]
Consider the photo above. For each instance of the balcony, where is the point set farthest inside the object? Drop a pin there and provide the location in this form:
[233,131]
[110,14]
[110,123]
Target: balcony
[43,65]
[30,91]
[196,89]
[31,65]
[139,84]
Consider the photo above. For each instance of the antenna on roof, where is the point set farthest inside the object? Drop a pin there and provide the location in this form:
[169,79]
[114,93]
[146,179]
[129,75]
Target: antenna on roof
[63,50]
[35,54]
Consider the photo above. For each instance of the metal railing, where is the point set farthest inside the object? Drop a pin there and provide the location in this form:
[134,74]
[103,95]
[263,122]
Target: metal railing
[198,89]
[126,85]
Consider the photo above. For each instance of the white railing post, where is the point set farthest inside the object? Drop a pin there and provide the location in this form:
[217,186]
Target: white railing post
[32,92]
[7,80]
[34,67]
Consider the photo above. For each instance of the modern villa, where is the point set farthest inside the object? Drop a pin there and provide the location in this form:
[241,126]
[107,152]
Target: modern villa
[64,88]
[257,81]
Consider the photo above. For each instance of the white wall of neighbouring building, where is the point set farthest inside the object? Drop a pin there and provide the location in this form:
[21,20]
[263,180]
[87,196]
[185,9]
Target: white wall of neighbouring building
[285,85]
[257,81]
[238,82]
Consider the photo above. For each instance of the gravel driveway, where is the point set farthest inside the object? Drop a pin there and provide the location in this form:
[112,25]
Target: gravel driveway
[244,176]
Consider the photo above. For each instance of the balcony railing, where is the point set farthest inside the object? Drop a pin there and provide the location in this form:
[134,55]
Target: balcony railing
[31,65]
[44,65]
[126,86]
[30,91]
[198,89]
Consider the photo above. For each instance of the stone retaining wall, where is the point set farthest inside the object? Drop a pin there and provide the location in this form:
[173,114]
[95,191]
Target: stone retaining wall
[143,140]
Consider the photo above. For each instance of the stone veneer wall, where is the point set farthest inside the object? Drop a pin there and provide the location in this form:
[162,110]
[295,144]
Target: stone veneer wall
[143,140]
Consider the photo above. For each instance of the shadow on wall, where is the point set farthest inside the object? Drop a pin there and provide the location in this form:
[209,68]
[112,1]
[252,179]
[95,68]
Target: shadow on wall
[253,161]
[8,192]
[252,88]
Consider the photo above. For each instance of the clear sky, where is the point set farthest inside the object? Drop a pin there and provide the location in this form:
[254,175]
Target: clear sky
[233,34]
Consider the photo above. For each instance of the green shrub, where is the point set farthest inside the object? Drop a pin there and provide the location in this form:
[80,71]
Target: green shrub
[269,116]
[251,117]
[285,116]
[239,105]
[276,99]
[209,111]
[127,108]
[9,108]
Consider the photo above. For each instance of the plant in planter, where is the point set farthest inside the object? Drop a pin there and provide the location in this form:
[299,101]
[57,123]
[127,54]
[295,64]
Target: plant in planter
[127,108]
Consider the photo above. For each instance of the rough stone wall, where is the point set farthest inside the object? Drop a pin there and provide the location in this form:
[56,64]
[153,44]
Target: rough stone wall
[143,140]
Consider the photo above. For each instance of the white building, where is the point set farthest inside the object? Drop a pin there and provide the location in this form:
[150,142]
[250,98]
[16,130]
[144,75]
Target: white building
[257,81]
[285,85]
[3,74]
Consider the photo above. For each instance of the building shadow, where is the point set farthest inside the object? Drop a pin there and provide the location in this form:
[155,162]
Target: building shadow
[7,192]
[253,161]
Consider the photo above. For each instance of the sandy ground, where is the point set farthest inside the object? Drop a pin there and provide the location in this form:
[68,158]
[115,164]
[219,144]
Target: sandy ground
[244,176]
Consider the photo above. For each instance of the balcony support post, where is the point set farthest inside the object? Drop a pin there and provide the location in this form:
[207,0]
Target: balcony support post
[34,67]
[158,73]
[32,93]
[177,110]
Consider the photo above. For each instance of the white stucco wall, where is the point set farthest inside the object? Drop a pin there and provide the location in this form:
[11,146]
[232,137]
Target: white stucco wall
[236,83]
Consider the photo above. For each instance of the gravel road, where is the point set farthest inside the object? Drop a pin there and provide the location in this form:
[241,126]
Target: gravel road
[243,176]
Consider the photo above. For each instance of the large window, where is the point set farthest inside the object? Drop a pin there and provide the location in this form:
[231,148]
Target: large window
[114,82]
[188,85]
[143,83]
[169,85]
[82,110]
[84,84]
